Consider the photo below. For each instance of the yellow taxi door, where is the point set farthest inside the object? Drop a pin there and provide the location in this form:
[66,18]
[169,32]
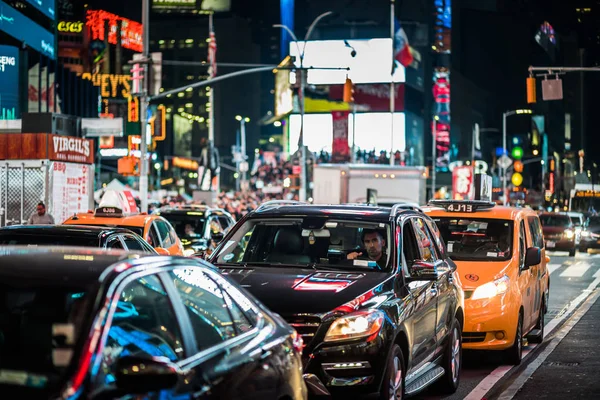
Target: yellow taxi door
[526,286]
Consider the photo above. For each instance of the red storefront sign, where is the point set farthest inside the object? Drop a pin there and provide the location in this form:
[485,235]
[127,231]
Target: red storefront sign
[340,150]
[131,31]
[45,146]
[462,183]
[375,96]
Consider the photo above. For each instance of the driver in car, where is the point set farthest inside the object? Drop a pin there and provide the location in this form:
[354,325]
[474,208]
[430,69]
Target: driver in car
[374,244]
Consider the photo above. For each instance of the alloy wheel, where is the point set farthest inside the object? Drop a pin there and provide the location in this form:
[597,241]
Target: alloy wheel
[396,380]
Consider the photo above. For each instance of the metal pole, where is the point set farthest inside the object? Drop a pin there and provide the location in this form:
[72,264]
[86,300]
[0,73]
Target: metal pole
[433,156]
[504,115]
[303,180]
[211,111]
[353,158]
[392,86]
[144,108]
[244,156]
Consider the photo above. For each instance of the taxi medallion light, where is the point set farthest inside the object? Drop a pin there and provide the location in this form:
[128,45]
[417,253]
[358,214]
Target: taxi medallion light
[491,289]
[356,325]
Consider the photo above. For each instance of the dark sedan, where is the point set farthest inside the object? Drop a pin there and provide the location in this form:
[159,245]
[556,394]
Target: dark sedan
[559,232]
[101,324]
[74,235]
[590,235]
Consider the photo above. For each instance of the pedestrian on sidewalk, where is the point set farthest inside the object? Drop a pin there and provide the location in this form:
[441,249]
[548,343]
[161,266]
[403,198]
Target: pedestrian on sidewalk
[41,217]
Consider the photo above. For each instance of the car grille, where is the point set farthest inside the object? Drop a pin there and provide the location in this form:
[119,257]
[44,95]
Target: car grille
[473,337]
[306,325]
[553,236]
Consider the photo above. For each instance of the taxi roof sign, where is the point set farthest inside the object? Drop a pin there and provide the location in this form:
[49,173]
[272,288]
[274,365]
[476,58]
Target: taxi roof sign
[465,206]
[116,204]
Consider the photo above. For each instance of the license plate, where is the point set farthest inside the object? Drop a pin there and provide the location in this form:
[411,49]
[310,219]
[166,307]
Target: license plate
[550,245]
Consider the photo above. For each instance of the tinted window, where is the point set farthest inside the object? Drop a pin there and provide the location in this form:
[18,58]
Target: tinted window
[424,242]
[203,299]
[535,230]
[144,323]
[522,243]
[133,243]
[435,232]
[153,238]
[245,305]
[165,235]
[478,239]
[190,224]
[9,237]
[36,322]
[555,220]
[225,222]
[114,243]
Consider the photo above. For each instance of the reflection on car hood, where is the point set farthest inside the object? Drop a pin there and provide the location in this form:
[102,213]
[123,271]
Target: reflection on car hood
[294,290]
[476,273]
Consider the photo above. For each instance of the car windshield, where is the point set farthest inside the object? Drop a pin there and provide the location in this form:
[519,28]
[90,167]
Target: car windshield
[555,220]
[190,225]
[576,220]
[308,241]
[39,328]
[476,239]
[39,239]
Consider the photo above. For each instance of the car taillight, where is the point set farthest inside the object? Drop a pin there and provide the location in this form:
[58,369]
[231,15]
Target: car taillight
[297,342]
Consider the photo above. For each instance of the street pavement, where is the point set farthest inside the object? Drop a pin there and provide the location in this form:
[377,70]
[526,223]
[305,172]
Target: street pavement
[568,354]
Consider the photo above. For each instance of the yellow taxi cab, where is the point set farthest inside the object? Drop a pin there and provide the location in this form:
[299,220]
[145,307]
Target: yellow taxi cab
[115,210]
[501,260]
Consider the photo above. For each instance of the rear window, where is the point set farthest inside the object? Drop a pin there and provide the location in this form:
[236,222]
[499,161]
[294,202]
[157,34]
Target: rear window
[138,230]
[13,238]
[476,239]
[555,220]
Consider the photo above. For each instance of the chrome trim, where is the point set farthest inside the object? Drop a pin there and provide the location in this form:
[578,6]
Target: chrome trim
[345,365]
[354,381]
[315,386]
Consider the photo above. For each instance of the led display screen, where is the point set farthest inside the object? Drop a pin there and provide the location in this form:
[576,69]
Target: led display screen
[372,61]
[9,82]
[22,28]
[373,132]
[45,6]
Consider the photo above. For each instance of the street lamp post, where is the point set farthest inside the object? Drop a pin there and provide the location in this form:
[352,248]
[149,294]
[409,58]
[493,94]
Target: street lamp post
[303,180]
[244,164]
[504,154]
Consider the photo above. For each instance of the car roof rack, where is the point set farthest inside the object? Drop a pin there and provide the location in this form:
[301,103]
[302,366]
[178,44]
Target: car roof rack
[278,203]
[396,208]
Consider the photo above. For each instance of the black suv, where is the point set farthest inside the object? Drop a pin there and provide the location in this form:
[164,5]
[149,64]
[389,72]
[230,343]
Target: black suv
[370,289]
[199,227]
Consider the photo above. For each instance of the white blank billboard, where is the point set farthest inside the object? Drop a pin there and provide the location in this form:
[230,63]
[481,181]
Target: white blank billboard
[373,131]
[372,63]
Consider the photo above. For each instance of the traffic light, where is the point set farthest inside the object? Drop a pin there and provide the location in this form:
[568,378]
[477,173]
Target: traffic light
[517,153]
[158,124]
[531,94]
[518,166]
[348,91]
[517,179]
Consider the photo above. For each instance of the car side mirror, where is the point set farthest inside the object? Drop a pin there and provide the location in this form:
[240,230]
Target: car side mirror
[548,259]
[423,271]
[533,256]
[162,252]
[145,374]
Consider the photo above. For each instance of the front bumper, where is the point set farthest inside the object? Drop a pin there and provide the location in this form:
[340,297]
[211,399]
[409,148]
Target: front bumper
[489,324]
[356,366]
[560,245]
[589,243]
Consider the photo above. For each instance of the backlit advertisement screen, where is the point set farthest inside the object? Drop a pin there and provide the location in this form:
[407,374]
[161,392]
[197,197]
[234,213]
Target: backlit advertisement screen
[131,31]
[373,132]
[22,28]
[372,61]
[45,6]
[9,82]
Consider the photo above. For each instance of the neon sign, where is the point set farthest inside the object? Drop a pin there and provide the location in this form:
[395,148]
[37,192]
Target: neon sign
[70,26]
[131,31]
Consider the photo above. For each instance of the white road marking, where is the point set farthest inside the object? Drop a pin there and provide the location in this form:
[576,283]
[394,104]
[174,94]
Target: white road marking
[576,270]
[512,390]
[489,381]
[597,274]
[553,267]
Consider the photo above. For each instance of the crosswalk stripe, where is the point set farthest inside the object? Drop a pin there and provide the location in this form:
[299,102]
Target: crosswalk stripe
[577,270]
[597,274]
[553,267]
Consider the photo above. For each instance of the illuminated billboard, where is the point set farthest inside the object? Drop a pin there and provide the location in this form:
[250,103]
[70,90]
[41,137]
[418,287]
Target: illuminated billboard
[131,31]
[373,131]
[195,6]
[371,62]
[25,30]
[45,6]
[9,82]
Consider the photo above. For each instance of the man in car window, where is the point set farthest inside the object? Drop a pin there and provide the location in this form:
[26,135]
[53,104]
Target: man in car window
[374,244]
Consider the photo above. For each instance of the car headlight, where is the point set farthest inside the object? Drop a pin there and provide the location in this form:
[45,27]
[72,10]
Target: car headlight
[491,289]
[356,325]
[569,234]
[585,234]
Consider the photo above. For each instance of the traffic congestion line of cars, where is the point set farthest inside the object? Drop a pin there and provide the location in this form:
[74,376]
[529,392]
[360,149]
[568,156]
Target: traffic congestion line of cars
[365,299]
